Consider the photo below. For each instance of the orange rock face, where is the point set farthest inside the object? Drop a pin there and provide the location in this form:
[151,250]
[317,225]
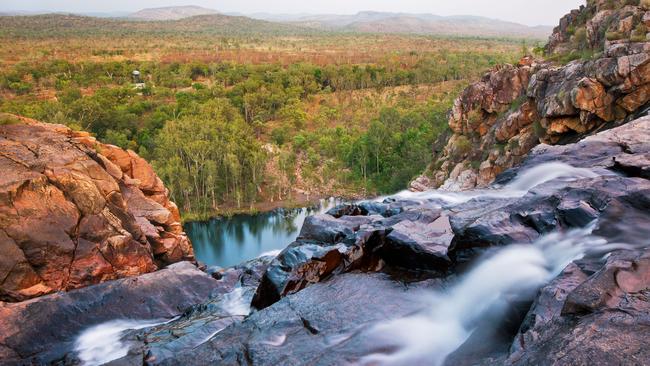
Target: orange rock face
[496,121]
[75,212]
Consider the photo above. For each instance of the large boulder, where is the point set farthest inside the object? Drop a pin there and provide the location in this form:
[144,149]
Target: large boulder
[325,246]
[421,244]
[597,319]
[75,212]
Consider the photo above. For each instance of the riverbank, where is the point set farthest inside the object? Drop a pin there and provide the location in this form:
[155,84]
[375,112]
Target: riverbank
[297,201]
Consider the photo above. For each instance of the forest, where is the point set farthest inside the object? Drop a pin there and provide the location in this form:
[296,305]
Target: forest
[232,121]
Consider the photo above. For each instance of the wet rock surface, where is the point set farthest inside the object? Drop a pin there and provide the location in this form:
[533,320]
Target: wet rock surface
[43,330]
[583,318]
[75,212]
[228,303]
[312,323]
[319,325]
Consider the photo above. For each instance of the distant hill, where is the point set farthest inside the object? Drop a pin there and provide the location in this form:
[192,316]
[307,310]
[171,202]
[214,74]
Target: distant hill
[171,13]
[381,22]
[180,19]
[53,25]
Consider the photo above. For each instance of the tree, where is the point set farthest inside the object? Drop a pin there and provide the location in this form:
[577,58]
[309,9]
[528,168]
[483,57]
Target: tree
[216,153]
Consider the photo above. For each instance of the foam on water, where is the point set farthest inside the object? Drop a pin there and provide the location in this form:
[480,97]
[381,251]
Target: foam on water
[543,173]
[102,343]
[270,253]
[524,182]
[431,335]
[236,302]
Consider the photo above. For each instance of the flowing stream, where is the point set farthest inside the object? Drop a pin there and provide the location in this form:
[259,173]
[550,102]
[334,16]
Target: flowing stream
[102,343]
[518,187]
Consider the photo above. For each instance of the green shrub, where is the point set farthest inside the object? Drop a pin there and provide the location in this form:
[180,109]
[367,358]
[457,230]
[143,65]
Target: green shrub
[475,164]
[539,131]
[639,33]
[580,37]
[463,146]
[299,142]
[613,36]
[571,30]
[280,135]
[7,119]
[517,103]
[513,144]
[20,87]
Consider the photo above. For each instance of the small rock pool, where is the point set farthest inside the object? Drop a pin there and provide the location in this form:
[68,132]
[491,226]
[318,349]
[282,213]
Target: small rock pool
[229,241]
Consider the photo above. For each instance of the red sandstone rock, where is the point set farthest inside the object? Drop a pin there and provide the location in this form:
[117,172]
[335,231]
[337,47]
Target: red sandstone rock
[499,119]
[75,212]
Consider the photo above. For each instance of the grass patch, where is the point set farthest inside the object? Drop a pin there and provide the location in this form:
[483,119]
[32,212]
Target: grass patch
[639,33]
[565,58]
[613,36]
[463,147]
[539,130]
[8,119]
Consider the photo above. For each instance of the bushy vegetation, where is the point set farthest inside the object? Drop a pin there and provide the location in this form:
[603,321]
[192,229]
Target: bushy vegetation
[257,117]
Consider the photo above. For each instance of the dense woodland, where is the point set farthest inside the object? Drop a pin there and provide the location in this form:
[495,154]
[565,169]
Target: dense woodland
[230,121]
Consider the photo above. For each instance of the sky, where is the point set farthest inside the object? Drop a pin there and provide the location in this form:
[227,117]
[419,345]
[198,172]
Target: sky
[530,12]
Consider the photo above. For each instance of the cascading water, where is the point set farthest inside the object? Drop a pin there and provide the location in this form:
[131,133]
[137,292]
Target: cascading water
[103,343]
[431,335]
[523,183]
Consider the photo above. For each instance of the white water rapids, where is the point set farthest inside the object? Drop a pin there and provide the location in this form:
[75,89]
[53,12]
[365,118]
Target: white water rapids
[428,337]
[104,342]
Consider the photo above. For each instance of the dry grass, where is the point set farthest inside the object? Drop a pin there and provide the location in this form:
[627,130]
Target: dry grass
[319,50]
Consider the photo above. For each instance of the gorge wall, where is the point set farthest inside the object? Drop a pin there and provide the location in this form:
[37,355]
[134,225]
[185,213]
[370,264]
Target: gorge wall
[495,122]
[76,212]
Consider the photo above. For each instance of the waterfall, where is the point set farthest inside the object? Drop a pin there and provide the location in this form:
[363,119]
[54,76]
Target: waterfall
[429,336]
[102,343]
[523,182]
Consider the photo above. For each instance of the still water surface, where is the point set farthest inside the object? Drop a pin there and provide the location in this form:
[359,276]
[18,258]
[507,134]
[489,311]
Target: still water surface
[229,241]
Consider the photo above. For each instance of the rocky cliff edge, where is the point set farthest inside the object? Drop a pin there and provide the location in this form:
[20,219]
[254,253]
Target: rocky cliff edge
[496,121]
[76,212]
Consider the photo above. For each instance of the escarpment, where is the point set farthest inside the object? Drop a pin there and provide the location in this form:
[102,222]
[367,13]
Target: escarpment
[76,212]
[498,120]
